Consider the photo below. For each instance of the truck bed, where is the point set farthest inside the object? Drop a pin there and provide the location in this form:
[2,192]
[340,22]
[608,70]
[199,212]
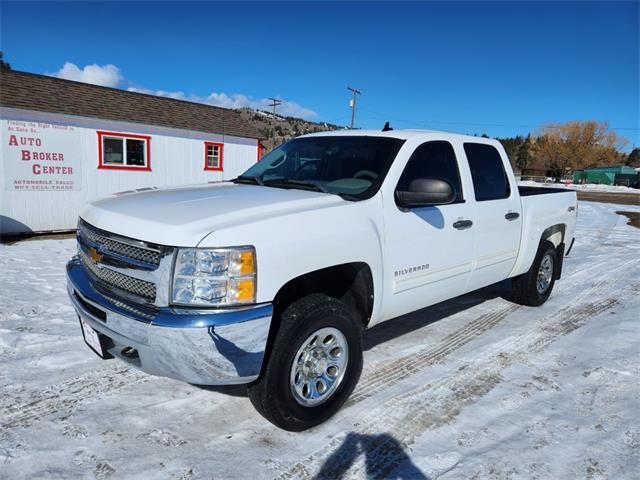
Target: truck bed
[528,191]
[539,212]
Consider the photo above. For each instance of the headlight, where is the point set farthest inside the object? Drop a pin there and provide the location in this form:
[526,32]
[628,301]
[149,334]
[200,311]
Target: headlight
[214,277]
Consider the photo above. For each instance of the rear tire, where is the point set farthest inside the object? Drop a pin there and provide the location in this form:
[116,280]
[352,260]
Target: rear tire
[305,380]
[534,287]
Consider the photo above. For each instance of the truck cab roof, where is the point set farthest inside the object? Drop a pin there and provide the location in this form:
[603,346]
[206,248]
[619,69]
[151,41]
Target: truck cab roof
[405,134]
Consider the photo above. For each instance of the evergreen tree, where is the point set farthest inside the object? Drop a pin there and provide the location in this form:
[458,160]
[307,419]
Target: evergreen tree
[634,158]
[511,146]
[3,65]
[524,153]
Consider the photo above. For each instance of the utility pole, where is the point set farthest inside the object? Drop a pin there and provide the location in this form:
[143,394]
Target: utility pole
[274,103]
[352,103]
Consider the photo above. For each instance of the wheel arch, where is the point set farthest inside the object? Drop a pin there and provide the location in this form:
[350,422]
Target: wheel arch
[531,242]
[554,234]
[351,283]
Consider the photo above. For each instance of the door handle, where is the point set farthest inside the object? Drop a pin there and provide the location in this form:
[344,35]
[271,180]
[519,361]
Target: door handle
[462,224]
[512,216]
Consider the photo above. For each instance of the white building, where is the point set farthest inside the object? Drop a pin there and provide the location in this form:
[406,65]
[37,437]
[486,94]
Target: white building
[67,143]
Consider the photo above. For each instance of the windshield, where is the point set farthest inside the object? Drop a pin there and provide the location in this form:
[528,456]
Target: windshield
[353,167]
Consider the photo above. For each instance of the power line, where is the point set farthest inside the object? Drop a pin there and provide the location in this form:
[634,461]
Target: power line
[425,123]
[355,92]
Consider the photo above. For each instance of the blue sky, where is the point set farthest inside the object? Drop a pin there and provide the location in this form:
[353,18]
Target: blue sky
[501,68]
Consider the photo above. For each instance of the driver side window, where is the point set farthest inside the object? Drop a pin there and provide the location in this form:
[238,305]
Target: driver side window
[433,160]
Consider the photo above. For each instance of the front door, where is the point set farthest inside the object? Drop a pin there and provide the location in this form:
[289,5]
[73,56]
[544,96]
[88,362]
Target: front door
[428,253]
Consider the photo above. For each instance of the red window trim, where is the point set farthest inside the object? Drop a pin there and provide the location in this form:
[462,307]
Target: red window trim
[259,151]
[102,166]
[213,169]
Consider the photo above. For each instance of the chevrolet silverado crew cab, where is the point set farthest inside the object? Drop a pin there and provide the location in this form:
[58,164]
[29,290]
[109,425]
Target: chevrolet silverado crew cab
[270,279]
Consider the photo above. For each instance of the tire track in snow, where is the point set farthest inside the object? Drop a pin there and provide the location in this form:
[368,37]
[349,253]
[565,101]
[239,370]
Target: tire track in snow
[558,323]
[397,370]
[431,406]
[562,322]
[402,419]
[23,407]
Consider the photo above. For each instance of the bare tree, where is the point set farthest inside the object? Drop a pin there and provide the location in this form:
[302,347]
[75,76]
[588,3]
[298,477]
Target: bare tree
[574,145]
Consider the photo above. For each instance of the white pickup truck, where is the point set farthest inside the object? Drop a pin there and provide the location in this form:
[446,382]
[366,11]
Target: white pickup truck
[270,279]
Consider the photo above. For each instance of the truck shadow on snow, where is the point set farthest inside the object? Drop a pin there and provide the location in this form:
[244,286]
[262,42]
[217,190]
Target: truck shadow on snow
[411,322]
[386,331]
[383,455]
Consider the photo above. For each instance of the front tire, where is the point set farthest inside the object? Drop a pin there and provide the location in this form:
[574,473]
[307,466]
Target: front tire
[315,363]
[534,287]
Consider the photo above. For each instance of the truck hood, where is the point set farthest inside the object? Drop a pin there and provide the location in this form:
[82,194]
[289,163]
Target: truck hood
[182,217]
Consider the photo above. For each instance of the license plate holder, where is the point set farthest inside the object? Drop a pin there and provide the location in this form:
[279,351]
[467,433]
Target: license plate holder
[93,339]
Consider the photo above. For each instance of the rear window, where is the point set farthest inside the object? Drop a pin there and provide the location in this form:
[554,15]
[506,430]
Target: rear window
[487,171]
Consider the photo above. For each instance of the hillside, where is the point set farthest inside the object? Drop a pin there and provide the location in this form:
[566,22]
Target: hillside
[285,128]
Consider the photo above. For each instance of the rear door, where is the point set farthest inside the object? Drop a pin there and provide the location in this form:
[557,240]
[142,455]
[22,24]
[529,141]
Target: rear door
[498,214]
[428,254]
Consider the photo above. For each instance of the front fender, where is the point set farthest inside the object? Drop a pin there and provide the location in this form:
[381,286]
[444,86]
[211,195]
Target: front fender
[294,244]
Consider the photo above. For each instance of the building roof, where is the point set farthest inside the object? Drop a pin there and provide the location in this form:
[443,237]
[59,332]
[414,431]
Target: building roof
[48,94]
[609,169]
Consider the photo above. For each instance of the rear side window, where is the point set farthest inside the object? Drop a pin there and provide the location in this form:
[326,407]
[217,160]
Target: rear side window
[433,160]
[487,171]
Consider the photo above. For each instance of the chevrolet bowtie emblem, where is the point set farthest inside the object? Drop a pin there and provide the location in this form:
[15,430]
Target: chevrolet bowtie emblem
[95,255]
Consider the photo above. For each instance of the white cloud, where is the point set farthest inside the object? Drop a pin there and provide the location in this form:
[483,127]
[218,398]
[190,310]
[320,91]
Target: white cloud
[110,76]
[105,75]
[159,93]
[235,100]
[289,108]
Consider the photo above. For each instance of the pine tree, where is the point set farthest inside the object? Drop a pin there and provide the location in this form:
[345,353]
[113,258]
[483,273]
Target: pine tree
[4,65]
[524,153]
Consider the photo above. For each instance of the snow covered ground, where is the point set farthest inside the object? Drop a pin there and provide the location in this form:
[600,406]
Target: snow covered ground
[475,388]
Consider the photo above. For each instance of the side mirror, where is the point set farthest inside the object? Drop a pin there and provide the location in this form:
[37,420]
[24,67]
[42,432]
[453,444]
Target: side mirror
[424,192]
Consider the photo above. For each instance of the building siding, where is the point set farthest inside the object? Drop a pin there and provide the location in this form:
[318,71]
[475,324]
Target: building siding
[602,175]
[176,155]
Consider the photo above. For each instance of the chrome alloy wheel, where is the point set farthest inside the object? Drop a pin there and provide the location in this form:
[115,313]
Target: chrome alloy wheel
[545,274]
[319,366]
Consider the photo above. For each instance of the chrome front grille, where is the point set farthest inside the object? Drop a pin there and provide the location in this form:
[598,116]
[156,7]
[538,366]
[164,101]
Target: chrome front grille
[134,286]
[117,247]
[126,268]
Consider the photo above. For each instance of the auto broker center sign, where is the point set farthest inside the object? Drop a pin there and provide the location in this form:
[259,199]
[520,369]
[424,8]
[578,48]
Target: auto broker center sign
[41,156]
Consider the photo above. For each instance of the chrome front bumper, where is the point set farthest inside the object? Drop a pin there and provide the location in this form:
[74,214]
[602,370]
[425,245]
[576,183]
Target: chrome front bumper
[204,347]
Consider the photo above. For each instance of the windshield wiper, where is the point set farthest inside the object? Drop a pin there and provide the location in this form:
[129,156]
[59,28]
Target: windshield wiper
[315,185]
[321,188]
[247,179]
[284,182]
[318,187]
